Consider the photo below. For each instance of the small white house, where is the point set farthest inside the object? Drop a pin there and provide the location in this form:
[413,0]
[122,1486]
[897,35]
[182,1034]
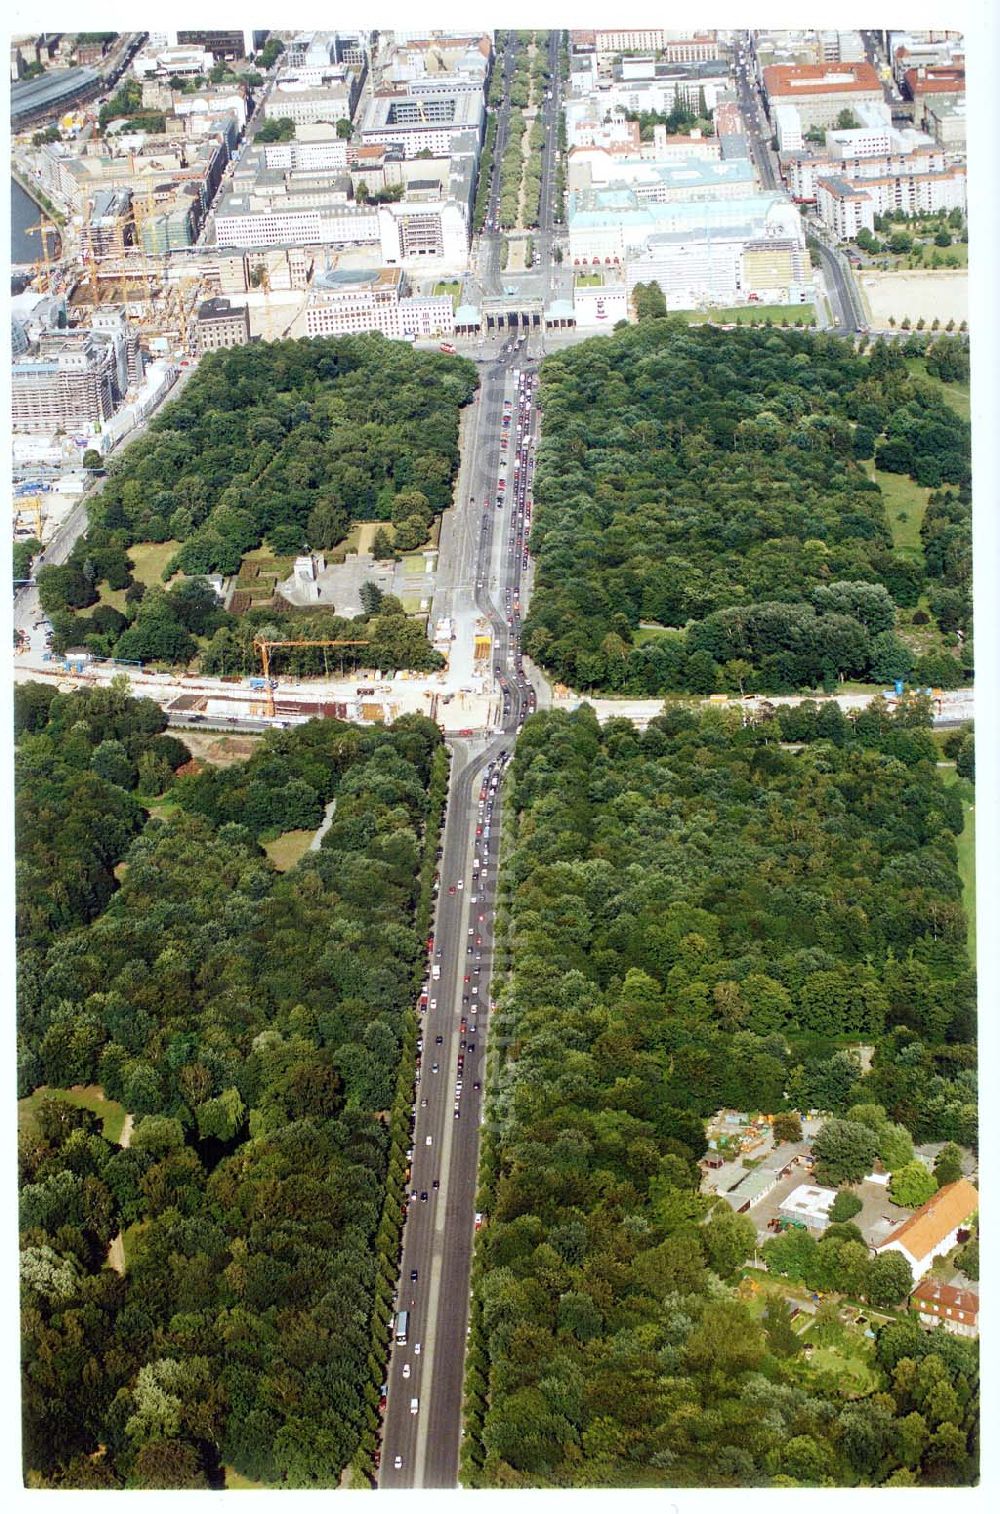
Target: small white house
[932,1230]
[809,1203]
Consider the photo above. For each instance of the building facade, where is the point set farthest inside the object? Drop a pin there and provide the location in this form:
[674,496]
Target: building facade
[933,1230]
[820,92]
[342,304]
[845,207]
[72,381]
[221,324]
[423,123]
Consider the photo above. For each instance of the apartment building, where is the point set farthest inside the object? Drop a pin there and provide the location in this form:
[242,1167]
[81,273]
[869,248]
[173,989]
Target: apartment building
[845,207]
[801,170]
[240,223]
[846,204]
[628,40]
[348,302]
[944,118]
[310,156]
[945,79]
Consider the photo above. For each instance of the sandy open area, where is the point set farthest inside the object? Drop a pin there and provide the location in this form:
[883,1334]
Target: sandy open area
[943,293]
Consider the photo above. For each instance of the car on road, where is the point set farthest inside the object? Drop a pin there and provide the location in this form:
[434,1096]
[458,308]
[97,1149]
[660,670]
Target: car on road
[398,1462]
[406,1369]
[413,1275]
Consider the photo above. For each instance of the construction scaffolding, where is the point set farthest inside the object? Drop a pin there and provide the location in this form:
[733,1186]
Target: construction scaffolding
[43,268]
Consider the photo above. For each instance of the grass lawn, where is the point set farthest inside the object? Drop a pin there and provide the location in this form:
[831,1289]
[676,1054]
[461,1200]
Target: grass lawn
[288,849]
[588,280]
[113,597]
[956,395]
[452,287]
[236,1479]
[149,558]
[413,562]
[642,634]
[854,1373]
[966,853]
[902,497]
[362,534]
[163,807]
[752,315]
[89,1097]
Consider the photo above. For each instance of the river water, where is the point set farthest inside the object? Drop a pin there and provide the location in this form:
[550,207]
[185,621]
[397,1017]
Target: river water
[25,245]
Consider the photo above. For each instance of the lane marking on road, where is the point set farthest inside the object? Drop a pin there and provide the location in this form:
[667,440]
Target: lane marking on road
[427,1372]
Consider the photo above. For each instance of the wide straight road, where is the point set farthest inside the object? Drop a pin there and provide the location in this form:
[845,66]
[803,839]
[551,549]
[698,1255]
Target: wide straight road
[423,1417]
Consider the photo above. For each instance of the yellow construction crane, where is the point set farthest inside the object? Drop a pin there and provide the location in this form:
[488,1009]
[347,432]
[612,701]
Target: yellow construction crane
[32,503]
[264,646]
[45,230]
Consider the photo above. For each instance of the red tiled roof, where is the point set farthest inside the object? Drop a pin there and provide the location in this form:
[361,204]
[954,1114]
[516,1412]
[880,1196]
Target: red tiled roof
[797,81]
[950,1207]
[935,81]
[944,1296]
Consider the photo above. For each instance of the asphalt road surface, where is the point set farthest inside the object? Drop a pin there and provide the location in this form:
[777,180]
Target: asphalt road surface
[438,1235]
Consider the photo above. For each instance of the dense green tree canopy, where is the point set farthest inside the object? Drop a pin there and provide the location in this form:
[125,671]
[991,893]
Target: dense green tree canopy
[696,917]
[236,1015]
[707,482]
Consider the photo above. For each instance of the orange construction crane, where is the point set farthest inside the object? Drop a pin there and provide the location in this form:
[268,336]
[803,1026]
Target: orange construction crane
[45,230]
[265,646]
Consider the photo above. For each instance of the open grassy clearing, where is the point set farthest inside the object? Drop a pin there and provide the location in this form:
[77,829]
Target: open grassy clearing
[149,558]
[89,1096]
[115,598]
[902,497]
[288,848]
[642,634]
[956,395]
[235,1480]
[752,315]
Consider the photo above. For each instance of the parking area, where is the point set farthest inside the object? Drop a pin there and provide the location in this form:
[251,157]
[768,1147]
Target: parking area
[338,586]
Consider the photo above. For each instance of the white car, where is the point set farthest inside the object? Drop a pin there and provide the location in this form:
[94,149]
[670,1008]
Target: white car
[414,1405]
[406,1369]
[398,1463]
[460,883]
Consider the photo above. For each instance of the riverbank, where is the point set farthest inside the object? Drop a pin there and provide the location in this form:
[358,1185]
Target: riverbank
[28,205]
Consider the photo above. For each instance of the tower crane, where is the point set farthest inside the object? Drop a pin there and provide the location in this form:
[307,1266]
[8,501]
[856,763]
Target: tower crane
[264,646]
[45,230]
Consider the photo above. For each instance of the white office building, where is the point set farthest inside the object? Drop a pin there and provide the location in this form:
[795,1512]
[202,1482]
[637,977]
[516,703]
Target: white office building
[414,233]
[424,123]
[343,303]
[239,224]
